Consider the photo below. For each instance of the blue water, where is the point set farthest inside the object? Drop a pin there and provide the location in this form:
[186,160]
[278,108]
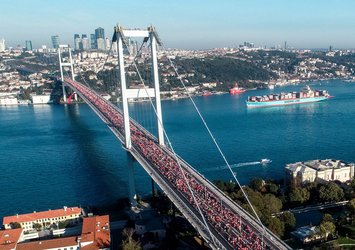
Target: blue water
[56,155]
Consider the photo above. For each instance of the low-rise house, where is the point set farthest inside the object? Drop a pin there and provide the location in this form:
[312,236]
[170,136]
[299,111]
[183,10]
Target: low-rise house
[307,234]
[95,233]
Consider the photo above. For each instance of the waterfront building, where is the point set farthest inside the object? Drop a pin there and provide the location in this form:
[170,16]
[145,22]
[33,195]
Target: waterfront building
[95,235]
[40,99]
[28,45]
[100,33]
[8,100]
[44,218]
[55,41]
[101,45]
[307,234]
[326,170]
[2,45]
[77,41]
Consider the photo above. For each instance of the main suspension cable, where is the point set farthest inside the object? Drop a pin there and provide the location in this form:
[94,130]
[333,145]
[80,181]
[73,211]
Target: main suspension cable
[214,140]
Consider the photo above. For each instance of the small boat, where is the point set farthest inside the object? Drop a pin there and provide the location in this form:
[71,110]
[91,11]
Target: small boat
[206,93]
[265,161]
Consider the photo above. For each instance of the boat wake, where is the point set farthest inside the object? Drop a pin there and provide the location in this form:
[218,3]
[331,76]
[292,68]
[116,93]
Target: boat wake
[238,165]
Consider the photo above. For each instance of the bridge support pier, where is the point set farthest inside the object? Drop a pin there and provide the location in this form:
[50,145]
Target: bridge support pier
[131,183]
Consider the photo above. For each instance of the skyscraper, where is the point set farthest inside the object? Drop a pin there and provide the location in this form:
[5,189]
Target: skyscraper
[77,41]
[85,43]
[2,44]
[93,41]
[28,45]
[55,41]
[100,33]
[101,44]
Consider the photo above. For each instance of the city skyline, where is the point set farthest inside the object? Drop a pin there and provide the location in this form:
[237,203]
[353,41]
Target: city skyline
[188,25]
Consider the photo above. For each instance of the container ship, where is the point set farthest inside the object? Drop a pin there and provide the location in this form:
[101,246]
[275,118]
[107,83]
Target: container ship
[307,95]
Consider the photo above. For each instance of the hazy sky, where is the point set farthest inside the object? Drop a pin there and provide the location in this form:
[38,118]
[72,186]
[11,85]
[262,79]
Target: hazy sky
[193,24]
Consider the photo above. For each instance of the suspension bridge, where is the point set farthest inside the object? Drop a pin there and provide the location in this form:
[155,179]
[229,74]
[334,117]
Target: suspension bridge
[218,219]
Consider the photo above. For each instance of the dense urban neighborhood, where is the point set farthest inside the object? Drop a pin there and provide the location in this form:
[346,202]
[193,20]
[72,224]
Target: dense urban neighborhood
[25,73]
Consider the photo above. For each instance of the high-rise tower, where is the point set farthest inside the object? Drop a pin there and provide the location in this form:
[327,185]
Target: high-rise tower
[28,45]
[100,33]
[55,41]
[93,43]
[77,41]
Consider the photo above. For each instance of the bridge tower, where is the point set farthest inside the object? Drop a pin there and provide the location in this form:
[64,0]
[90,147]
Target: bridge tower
[121,35]
[62,64]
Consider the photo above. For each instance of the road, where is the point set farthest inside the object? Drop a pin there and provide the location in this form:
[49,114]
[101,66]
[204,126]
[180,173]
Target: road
[299,210]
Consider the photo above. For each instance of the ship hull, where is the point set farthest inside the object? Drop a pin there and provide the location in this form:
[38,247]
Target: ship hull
[285,102]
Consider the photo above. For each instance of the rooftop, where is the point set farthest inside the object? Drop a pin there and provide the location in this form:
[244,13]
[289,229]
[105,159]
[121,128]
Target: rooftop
[304,232]
[9,238]
[48,244]
[318,165]
[41,215]
[96,231]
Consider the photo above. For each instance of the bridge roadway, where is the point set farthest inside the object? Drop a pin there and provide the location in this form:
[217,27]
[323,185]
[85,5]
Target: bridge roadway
[231,226]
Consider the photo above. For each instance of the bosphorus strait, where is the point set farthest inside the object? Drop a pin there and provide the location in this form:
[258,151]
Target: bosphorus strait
[56,155]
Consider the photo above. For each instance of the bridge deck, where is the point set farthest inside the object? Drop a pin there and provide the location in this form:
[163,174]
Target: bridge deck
[231,226]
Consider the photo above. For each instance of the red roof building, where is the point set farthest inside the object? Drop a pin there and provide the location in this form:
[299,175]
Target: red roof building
[69,243]
[95,233]
[44,218]
[9,238]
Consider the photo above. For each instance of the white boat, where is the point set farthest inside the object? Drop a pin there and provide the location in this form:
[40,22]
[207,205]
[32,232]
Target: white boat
[265,161]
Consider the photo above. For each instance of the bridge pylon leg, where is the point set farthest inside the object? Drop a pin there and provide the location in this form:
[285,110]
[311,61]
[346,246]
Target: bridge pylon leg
[131,183]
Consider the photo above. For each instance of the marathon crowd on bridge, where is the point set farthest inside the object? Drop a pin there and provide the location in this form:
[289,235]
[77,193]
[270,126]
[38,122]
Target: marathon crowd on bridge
[231,226]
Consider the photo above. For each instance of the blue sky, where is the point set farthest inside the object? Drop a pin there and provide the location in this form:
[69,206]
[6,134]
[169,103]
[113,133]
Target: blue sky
[192,24]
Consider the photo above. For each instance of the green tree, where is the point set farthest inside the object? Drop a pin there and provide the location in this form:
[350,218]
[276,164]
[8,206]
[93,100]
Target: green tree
[276,226]
[63,224]
[257,184]
[352,185]
[331,192]
[128,242]
[289,220]
[299,195]
[15,225]
[37,226]
[327,228]
[271,204]
[328,218]
[272,188]
[351,208]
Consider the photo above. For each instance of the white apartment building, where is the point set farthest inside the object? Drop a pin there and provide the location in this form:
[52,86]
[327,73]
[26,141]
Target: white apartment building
[2,45]
[328,170]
